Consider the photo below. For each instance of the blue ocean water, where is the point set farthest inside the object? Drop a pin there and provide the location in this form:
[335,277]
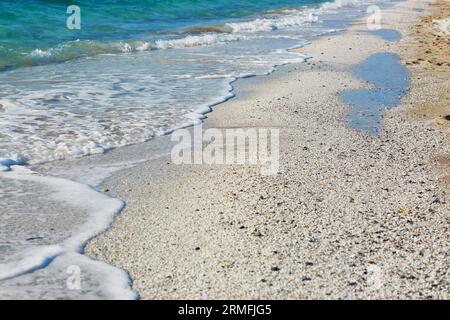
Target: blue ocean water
[30,25]
[390,81]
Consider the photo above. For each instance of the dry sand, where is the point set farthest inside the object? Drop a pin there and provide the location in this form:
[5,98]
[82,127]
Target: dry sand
[428,57]
[349,215]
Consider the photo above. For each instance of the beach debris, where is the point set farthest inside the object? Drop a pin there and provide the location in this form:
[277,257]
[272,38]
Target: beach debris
[34,238]
[306,278]
[275,268]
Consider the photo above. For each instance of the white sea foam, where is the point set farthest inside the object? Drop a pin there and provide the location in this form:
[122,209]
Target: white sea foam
[347,3]
[121,100]
[99,211]
[269,24]
[98,281]
[194,41]
[40,53]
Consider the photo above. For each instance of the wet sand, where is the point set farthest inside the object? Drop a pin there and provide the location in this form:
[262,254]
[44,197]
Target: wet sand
[349,215]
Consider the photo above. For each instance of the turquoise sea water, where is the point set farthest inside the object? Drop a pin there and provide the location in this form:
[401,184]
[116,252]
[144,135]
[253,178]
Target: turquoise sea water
[30,25]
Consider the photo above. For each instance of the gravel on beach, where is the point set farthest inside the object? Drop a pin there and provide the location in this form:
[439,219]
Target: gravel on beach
[349,214]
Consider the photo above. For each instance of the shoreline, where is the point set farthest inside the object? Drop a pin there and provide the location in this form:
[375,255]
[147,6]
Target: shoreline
[293,235]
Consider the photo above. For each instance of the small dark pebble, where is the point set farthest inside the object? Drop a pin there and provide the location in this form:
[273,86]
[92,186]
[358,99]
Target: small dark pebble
[275,269]
[197,248]
[306,279]
[257,234]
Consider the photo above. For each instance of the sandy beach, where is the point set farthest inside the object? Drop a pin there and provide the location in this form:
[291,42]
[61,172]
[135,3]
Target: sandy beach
[349,215]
